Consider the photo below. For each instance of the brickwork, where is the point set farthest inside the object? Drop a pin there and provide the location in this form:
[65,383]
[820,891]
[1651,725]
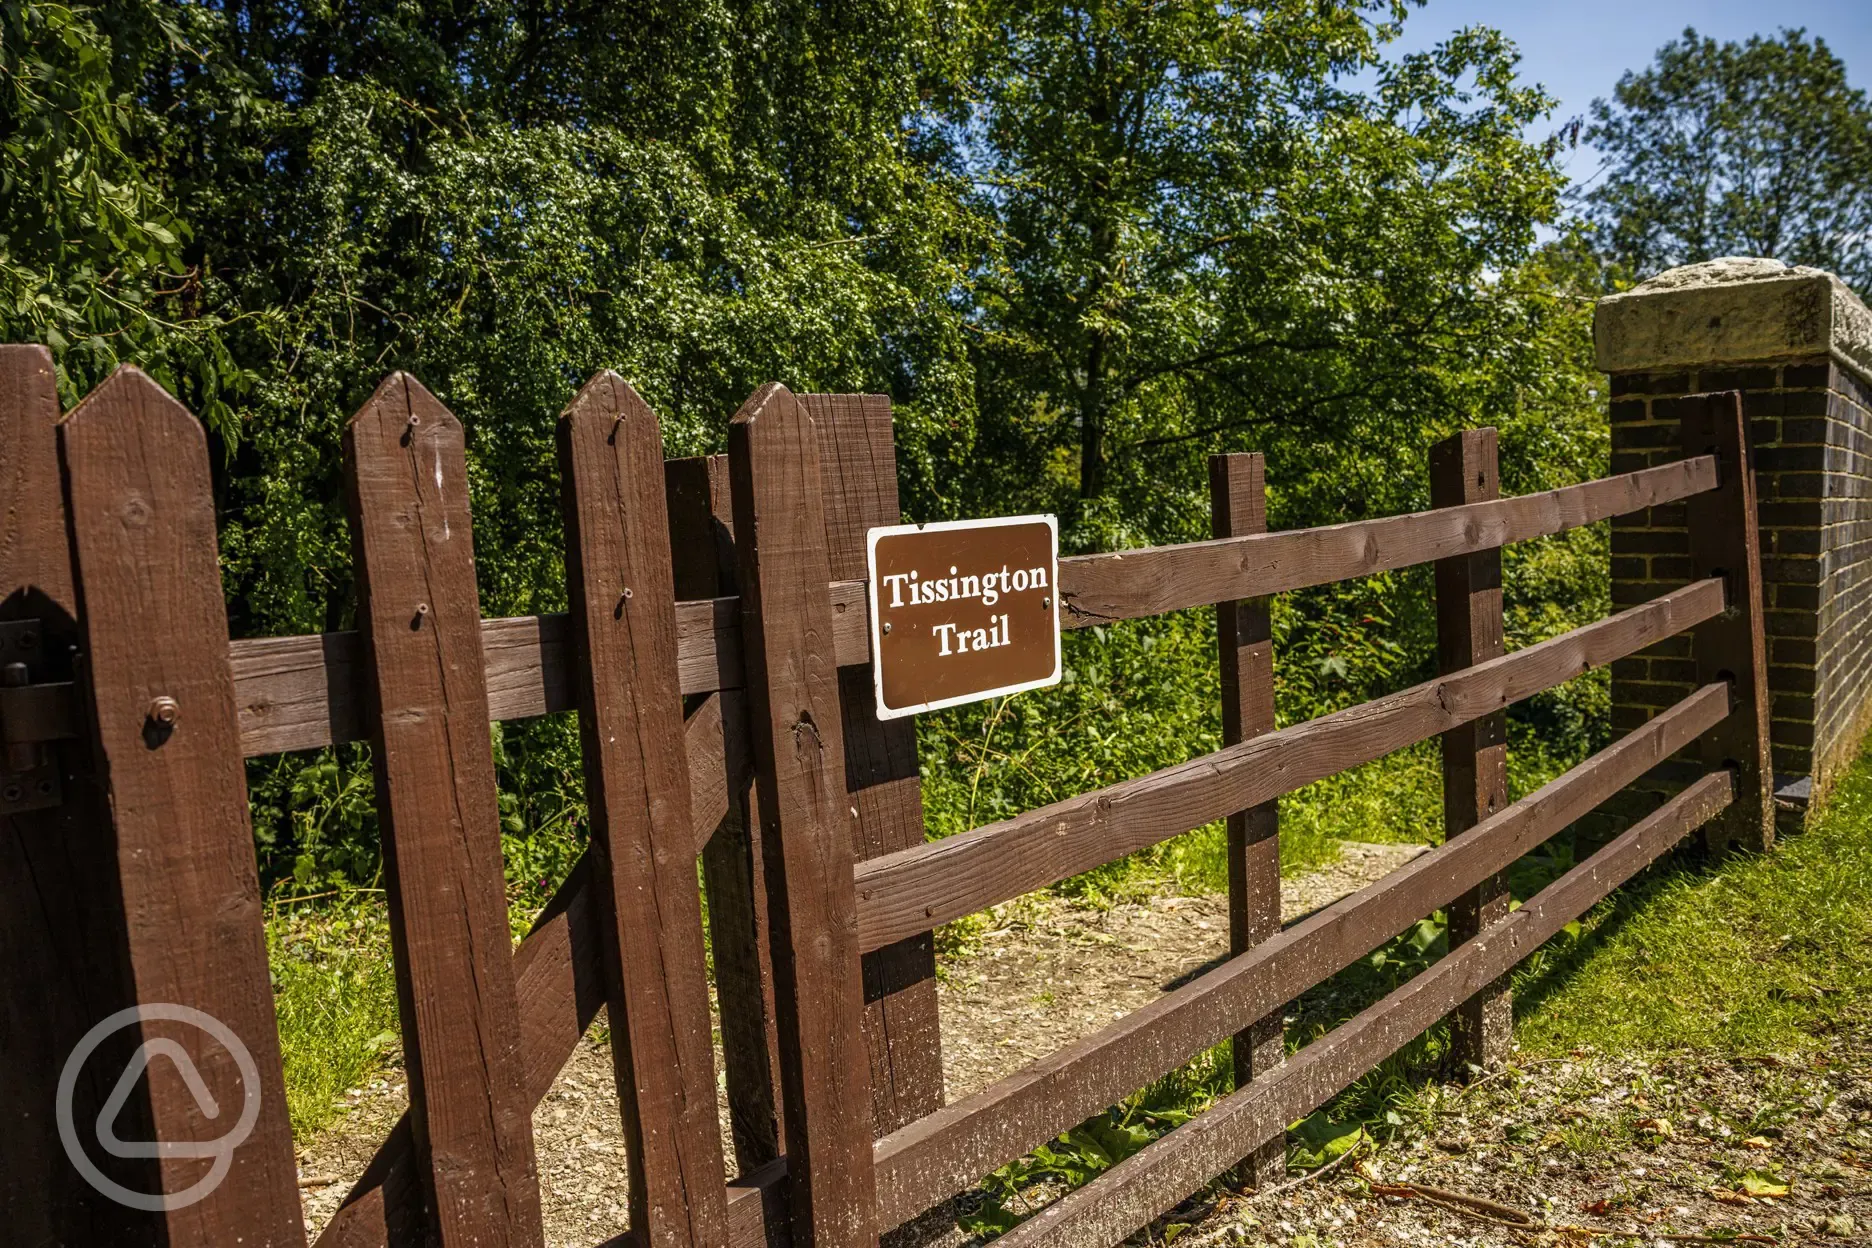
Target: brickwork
[1810,426]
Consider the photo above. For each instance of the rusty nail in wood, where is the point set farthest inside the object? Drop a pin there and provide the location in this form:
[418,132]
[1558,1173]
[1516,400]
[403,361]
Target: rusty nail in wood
[165,711]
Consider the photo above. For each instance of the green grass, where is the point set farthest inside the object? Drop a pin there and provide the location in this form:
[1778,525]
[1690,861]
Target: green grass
[334,991]
[1760,953]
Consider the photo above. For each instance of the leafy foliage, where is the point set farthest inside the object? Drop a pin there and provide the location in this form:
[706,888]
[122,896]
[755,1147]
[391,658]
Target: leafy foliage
[1757,148]
[1080,247]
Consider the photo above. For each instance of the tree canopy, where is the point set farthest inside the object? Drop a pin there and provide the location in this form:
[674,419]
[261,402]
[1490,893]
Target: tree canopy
[1756,148]
[1080,245]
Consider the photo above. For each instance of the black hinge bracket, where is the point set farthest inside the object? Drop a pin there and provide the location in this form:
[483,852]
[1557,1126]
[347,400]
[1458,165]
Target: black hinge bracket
[32,716]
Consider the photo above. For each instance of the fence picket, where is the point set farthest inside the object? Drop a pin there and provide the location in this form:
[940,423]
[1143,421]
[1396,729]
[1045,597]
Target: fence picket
[1464,468]
[623,598]
[419,612]
[559,980]
[702,546]
[1245,641]
[883,780]
[166,742]
[808,828]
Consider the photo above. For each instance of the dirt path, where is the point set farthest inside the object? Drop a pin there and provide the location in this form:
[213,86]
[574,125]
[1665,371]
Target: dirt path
[1647,1150]
[1045,973]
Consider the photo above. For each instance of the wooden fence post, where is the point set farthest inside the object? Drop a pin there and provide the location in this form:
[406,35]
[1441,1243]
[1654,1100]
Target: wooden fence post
[858,463]
[166,740]
[1725,542]
[623,606]
[809,830]
[1464,469]
[1244,634]
[419,613]
[702,546]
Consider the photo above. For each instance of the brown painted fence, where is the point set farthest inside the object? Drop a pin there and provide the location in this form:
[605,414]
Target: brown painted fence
[716,653]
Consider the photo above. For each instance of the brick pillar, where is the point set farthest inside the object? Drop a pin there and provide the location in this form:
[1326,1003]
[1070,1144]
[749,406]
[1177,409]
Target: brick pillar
[1798,345]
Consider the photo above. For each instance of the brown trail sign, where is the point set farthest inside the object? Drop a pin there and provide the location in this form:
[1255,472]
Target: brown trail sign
[128,877]
[963,610]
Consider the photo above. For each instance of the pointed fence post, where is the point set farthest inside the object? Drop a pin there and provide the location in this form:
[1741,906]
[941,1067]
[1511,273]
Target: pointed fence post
[419,612]
[701,515]
[623,598]
[166,740]
[1464,469]
[809,831]
[1244,635]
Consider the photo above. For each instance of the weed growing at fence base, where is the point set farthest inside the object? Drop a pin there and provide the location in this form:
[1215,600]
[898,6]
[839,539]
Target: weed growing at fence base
[334,990]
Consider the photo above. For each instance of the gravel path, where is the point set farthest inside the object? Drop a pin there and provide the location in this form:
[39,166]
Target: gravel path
[1046,972]
[1680,1150]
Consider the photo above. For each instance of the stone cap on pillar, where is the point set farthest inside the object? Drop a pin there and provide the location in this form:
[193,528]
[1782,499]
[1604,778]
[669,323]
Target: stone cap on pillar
[1732,311]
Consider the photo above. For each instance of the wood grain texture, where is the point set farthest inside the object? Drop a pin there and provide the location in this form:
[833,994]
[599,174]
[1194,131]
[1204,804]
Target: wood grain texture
[1464,469]
[559,978]
[622,590]
[809,832]
[961,874]
[1725,541]
[702,546]
[951,1149]
[1106,1210]
[63,961]
[144,549]
[883,780]
[1130,584]
[471,1120]
[1245,646]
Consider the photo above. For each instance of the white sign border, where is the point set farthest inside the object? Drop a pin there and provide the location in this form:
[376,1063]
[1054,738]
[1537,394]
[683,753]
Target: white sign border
[877,637]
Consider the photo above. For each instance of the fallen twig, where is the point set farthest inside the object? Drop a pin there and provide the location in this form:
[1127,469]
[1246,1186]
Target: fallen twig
[1494,1211]
[1485,1210]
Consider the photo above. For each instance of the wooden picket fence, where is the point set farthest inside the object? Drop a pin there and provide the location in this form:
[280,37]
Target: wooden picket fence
[716,653]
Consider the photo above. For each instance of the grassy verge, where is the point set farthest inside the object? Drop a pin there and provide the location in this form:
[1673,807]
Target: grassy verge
[334,991]
[1761,953]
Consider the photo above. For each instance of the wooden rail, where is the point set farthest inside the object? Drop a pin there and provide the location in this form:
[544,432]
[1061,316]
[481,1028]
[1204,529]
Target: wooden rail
[1128,584]
[958,875]
[1156,1178]
[299,693]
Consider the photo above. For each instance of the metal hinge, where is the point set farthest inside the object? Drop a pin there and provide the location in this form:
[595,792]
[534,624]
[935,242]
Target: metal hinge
[31,717]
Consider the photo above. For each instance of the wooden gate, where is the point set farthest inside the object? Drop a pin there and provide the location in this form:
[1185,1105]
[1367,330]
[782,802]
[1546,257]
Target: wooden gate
[716,652]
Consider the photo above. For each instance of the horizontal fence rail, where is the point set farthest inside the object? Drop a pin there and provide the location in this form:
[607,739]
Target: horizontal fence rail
[1128,1195]
[300,693]
[971,871]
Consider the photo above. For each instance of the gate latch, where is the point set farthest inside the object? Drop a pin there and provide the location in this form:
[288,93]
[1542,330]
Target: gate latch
[32,716]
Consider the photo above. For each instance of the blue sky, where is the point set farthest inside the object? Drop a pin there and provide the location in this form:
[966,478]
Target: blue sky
[1578,48]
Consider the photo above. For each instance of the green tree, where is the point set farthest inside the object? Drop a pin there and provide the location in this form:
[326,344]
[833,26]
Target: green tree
[1233,227]
[1759,148]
